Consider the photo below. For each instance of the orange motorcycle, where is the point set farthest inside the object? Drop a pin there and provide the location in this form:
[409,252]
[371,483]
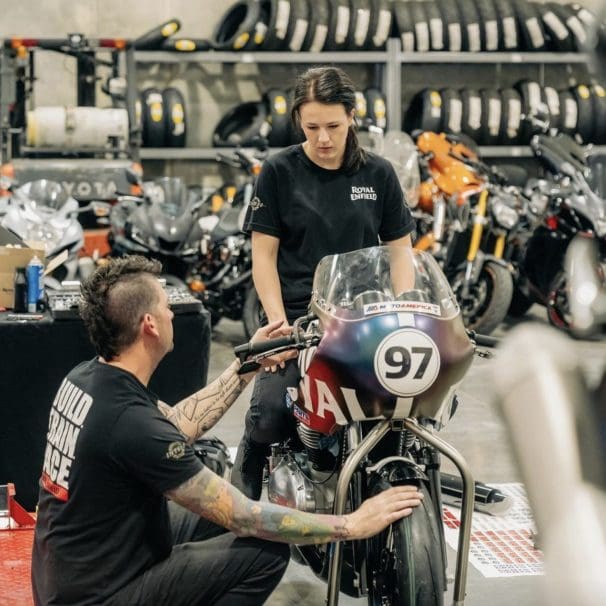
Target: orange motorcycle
[464,216]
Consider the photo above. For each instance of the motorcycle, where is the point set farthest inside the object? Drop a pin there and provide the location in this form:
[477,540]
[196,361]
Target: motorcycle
[223,276]
[161,224]
[42,211]
[465,213]
[555,416]
[565,205]
[381,353]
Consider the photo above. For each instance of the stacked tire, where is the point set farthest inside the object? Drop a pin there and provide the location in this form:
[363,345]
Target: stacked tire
[269,119]
[496,116]
[161,116]
[304,25]
[491,25]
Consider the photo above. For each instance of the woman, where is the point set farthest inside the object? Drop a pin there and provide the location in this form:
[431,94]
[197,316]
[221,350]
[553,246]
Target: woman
[322,197]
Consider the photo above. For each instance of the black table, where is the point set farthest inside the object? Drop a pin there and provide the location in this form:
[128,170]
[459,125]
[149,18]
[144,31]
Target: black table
[35,357]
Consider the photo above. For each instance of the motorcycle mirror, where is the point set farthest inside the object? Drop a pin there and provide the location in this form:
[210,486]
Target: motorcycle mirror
[133,177]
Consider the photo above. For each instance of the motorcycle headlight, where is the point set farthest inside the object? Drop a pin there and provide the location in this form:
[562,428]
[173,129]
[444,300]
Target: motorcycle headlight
[504,215]
[46,233]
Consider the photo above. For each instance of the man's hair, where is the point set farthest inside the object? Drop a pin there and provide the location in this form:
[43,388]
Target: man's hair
[330,85]
[114,300]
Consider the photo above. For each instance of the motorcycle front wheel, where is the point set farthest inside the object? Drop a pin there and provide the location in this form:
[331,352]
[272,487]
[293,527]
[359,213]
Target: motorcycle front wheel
[406,565]
[488,301]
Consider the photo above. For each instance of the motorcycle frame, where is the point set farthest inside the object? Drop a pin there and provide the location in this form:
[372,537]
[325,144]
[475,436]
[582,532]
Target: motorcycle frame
[352,464]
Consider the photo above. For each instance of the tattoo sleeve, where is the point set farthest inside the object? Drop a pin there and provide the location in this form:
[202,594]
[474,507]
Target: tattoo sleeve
[217,500]
[197,413]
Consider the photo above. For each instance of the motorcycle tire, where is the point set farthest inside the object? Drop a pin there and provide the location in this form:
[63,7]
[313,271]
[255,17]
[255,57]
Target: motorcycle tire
[376,107]
[317,31]
[419,573]
[471,124]
[511,114]
[153,39]
[340,17]
[252,313]
[452,111]
[424,112]
[585,104]
[279,117]
[237,28]
[453,36]
[552,98]
[491,116]
[421,26]
[569,113]
[490,25]
[560,38]
[558,310]
[297,25]
[579,21]
[404,25]
[437,39]
[492,296]
[381,19]
[509,25]
[599,96]
[470,26]
[175,123]
[530,26]
[358,25]
[152,113]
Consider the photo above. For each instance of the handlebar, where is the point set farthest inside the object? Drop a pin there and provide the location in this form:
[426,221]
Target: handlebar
[259,348]
[483,340]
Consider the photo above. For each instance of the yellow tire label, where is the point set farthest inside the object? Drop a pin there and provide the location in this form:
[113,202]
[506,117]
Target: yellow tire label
[435,98]
[379,107]
[280,105]
[169,29]
[583,91]
[177,114]
[185,45]
[155,110]
[241,40]
[360,105]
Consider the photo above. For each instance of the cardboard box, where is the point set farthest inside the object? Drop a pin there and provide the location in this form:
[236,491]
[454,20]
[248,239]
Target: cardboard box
[13,253]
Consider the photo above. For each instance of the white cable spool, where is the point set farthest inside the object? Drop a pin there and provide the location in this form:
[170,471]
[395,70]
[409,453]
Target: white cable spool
[75,127]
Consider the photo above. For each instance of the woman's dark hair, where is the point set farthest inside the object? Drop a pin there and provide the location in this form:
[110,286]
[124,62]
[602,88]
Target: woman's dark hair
[330,85]
[114,299]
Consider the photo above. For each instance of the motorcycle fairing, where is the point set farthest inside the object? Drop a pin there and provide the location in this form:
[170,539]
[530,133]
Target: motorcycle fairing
[391,365]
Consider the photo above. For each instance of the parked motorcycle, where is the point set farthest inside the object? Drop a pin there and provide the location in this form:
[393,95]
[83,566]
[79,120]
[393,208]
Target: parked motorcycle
[465,213]
[224,275]
[43,211]
[565,205]
[161,224]
[380,356]
[557,424]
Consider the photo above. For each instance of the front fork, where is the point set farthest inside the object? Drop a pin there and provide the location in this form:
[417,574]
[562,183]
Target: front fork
[347,471]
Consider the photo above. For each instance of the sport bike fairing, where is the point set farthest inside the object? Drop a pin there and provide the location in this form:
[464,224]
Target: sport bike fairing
[393,342]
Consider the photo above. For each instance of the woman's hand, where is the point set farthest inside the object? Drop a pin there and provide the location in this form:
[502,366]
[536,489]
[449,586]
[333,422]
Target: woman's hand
[274,330]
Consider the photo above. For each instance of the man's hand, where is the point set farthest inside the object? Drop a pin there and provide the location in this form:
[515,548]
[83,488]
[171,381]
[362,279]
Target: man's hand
[273,330]
[383,509]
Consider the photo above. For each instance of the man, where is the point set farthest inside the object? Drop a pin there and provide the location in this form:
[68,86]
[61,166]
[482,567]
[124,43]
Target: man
[106,532]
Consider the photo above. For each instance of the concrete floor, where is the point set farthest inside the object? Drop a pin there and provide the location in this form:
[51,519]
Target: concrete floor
[476,431]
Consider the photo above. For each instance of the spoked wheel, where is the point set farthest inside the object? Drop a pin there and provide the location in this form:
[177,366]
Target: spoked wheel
[406,566]
[488,300]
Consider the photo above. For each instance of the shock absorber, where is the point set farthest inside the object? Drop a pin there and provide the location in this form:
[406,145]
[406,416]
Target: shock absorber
[318,454]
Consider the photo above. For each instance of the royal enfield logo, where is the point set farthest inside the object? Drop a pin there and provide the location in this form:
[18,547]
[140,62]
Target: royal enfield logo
[363,193]
[256,204]
[175,451]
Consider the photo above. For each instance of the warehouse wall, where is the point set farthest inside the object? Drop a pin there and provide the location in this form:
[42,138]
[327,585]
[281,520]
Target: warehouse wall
[209,89]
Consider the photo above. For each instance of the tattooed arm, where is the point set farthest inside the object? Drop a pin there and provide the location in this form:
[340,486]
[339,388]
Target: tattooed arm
[215,499]
[197,413]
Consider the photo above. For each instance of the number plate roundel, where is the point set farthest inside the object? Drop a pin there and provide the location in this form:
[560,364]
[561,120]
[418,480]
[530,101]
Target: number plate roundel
[407,362]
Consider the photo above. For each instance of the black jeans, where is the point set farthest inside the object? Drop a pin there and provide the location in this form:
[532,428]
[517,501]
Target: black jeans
[268,420]
[208,566]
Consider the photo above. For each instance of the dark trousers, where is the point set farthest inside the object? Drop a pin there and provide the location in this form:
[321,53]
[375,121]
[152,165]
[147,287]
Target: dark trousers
[268,420]
[208,566]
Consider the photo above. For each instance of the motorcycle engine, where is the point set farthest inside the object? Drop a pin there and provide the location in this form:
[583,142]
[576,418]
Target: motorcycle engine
[293,482]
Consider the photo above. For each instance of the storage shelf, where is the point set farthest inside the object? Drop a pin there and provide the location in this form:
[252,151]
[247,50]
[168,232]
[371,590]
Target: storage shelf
[492,58]
[210,153]
[259,57]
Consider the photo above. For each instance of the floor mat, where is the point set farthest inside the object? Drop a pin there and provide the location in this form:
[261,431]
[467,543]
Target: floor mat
[15,558]
[501,546]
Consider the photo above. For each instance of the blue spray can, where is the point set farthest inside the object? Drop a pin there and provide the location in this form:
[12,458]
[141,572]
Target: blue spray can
[35,283]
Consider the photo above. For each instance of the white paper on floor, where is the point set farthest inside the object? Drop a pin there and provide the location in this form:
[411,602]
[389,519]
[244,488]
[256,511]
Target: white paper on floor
[501,546]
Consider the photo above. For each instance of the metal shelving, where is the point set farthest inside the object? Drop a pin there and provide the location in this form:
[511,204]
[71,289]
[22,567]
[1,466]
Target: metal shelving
[391,60]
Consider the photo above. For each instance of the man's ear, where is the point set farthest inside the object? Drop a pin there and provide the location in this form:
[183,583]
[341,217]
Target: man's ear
[148,325]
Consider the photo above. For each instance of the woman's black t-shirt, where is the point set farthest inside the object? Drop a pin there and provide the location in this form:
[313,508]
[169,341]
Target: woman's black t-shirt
[317,212]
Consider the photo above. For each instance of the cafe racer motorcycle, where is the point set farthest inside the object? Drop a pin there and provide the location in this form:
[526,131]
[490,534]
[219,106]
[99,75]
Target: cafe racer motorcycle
[380,356]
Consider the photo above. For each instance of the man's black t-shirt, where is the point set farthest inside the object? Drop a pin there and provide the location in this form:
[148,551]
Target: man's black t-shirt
[317,212]
[102,517]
